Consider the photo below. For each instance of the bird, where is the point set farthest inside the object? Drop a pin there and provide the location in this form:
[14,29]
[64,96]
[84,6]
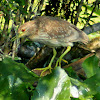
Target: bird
[52,32]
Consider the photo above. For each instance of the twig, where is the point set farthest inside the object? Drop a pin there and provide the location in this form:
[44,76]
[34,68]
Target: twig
[78,9]
[90,14]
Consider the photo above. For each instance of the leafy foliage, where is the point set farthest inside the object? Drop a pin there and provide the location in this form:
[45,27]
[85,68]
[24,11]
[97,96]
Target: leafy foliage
[91,66]
[15,79]
[55,86]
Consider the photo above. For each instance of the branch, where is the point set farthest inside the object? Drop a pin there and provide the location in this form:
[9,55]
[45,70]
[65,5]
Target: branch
[78,9]
[92,28]
[91,14]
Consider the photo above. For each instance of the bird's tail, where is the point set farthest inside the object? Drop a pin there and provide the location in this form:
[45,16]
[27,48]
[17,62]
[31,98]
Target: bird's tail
[84,38]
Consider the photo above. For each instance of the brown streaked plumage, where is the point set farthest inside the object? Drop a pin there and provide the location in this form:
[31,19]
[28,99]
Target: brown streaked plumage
[53,32]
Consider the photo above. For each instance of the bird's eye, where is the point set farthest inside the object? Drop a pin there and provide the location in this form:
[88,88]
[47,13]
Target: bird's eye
[23,30]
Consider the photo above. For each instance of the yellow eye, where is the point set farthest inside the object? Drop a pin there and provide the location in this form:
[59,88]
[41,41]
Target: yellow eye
[23,30]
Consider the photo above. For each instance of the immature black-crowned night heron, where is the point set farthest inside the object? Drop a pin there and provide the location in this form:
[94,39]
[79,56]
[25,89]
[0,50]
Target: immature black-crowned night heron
[53,32]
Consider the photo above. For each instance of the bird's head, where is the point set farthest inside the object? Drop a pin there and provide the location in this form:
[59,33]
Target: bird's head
[28,29]
[23,30]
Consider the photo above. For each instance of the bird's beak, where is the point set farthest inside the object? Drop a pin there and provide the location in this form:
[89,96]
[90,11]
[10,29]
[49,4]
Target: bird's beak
[21,34]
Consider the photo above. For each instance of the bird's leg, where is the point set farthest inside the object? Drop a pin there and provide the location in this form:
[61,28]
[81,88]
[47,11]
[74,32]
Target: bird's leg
[49,66]
[54,55]
[60,58]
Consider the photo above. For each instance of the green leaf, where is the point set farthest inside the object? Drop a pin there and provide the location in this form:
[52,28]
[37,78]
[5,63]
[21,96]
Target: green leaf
[90,66]
[10,67]
[71,72]
[14,78]
[11,88]
[97,11]
[97,96]
[55,86]
[20,2]
[94,83]
[87,89]
[80,90]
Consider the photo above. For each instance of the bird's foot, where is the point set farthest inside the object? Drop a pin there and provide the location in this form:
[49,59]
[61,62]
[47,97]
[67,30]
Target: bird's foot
[58,63]
[44,70]
[60,58]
